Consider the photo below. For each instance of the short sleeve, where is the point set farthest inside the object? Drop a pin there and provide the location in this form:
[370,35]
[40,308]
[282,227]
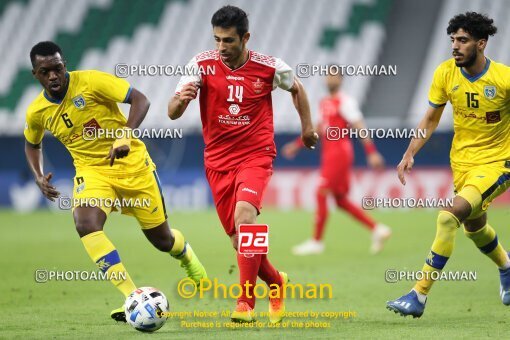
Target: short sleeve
[107,87]
[437,92]
[350,110]
[193,77]
[34,131]
[284,75]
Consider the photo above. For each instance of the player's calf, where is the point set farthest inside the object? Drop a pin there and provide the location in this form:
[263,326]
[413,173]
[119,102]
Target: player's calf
[173,242]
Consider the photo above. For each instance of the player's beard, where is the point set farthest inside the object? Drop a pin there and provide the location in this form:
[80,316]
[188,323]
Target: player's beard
[470,60]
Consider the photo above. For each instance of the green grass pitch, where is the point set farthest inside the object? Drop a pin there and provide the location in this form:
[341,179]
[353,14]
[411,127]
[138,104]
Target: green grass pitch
[78,309]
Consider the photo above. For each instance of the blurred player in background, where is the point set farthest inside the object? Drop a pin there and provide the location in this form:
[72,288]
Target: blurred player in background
[72,104]
[237,120]
[338,111]
[478,90]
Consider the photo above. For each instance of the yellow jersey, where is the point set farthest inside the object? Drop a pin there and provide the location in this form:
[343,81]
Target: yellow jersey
[481,112]
[90,103]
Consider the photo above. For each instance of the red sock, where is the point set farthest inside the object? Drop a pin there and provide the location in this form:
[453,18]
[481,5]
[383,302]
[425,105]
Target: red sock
[321,215]
[268,273]
[355,211]
[248,270]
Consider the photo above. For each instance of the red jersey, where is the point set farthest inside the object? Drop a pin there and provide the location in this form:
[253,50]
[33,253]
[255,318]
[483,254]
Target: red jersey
[336,113]
[236,107]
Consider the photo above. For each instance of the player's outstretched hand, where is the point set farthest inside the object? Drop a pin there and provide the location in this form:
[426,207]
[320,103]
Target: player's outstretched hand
[48,190]
[375,161]
[290,150]
[310,138]
[119,149]
[405,165]
[188,92]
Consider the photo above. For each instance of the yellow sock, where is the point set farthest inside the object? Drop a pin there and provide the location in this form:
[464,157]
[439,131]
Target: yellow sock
[178,251]
[104,254]
[441,249]
[487,241]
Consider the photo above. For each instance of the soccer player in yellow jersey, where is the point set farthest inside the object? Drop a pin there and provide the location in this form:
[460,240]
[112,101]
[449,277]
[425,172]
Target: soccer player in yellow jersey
[74,106]
[479,90]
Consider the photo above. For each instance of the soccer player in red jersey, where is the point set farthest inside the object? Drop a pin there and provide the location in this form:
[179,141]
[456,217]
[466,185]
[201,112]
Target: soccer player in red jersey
[338,111]
[237,119]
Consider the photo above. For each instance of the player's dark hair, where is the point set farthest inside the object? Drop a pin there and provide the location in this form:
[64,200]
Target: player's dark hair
[478,25]
[44,48]
[231,16]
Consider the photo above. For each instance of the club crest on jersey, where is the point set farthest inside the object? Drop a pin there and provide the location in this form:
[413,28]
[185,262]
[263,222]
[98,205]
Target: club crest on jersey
[489,91]
[258,86]
[79,102]
[234,109]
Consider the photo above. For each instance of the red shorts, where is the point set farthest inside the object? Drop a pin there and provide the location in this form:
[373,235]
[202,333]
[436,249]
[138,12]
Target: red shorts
[245,183]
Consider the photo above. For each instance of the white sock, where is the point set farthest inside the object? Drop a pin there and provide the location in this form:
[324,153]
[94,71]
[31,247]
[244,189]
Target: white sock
[421,297]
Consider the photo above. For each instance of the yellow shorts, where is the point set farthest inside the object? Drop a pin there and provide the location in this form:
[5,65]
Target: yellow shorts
[138,196]
[491,180]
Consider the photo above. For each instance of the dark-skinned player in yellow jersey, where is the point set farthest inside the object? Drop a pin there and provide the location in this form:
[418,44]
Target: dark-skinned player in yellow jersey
[107,169]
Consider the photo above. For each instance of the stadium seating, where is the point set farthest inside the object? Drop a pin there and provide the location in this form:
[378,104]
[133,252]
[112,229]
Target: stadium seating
[98,34]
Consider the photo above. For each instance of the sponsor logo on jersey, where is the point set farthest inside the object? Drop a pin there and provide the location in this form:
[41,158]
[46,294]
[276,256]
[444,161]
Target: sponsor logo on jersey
[79,102]
[230,77]
[234,109]
[489,91]
[80,188]
[493,117]
[455,88]
[92,124]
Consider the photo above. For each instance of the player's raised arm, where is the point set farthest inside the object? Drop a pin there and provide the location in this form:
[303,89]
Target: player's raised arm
[137,112]
[33,153]
[300,99]
[139,108]
[108,88]
[186,90]
[428,124]
[178,104]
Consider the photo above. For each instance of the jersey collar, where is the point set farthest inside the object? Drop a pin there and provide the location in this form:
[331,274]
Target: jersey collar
[56,101]
[479,75]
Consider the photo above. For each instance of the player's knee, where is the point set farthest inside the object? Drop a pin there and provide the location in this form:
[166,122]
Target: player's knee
[245,215]
[467,200]
[447,222]
[86,226]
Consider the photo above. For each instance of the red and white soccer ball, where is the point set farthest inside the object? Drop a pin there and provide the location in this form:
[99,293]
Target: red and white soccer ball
[144,308]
